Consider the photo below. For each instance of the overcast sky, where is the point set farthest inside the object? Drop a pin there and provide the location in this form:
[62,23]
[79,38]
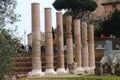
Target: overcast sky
[24,9]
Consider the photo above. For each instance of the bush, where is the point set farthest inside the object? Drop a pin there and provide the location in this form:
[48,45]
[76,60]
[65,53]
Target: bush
[7,52]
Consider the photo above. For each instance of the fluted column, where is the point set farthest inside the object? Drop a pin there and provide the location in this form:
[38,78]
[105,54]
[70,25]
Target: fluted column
[49,42]
[85,47]
[91,46]
[69,41]
[77,42]
[36,53]
[60,43]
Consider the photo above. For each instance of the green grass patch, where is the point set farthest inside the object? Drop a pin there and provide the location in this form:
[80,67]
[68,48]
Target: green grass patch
[79,78]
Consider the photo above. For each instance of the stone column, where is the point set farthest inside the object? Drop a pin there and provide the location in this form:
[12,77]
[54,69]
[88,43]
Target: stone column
[85,47]
[69,41]
[91,46]
[36,53]
[77,42]
[49,42]
[60,43]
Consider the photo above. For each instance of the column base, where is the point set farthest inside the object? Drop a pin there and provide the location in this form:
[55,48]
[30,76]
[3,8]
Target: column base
[86,69]
[36,73]
[50,71]
[92,68]
[78,70]
[61,70]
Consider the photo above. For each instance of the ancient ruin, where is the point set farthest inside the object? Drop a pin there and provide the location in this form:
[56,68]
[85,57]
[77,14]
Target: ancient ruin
[79,61]
[69,42]
[110,62]
[60,44]
[49,42]
[36,60]
[85,47]
[91,49]
[77,42]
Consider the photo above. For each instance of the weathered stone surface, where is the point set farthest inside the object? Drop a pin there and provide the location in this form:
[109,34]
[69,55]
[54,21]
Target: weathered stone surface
[48,42]
[77,42]
[60,43]
[85,47]
[91,46]
[111,57]
[36,53]
[69,42]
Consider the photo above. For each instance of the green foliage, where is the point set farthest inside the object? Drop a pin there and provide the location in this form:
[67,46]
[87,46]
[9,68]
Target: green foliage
[8,41]
[79,78]
[7,12]
[7,51]
[98,32]
[89,5]
[77,7]
[111,26]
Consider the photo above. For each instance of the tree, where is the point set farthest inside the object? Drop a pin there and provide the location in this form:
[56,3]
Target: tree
[8,41]
[7,52]
[7,12]
[77,7]
[111,26]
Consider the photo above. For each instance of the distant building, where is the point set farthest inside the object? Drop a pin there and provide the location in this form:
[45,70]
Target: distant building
[103,45]
[107,43]
[42,42]
[104,9]
[110,6]
[97,16]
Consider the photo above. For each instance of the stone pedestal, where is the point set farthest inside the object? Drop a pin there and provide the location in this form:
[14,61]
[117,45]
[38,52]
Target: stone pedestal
[49,42]
[91,47]
[85,47]
[69,41]
[36,53]
[60,43]
[77,42]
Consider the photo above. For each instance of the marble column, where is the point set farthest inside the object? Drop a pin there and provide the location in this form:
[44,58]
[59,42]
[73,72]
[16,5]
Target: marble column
[77,42]
[60,43]
[36,53]
[85,47]
[49,42]
[91,47]
[69,41]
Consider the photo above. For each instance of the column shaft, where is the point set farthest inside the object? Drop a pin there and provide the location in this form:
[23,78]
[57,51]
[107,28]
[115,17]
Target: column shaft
[69,42]
[85,47]
[36,37]
[60,43]
[48,41]
[36,53]
[91,46]
[77,42]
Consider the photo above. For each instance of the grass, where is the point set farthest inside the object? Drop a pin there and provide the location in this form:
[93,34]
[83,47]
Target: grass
[79,78]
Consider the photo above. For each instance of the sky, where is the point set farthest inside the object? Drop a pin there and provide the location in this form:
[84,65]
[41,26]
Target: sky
[24,9]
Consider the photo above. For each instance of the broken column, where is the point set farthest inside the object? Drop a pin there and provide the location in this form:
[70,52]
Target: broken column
[60,43]
[36,53]
[49,60]
[77,42]
[85,47]
[69,41]
[91,46]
